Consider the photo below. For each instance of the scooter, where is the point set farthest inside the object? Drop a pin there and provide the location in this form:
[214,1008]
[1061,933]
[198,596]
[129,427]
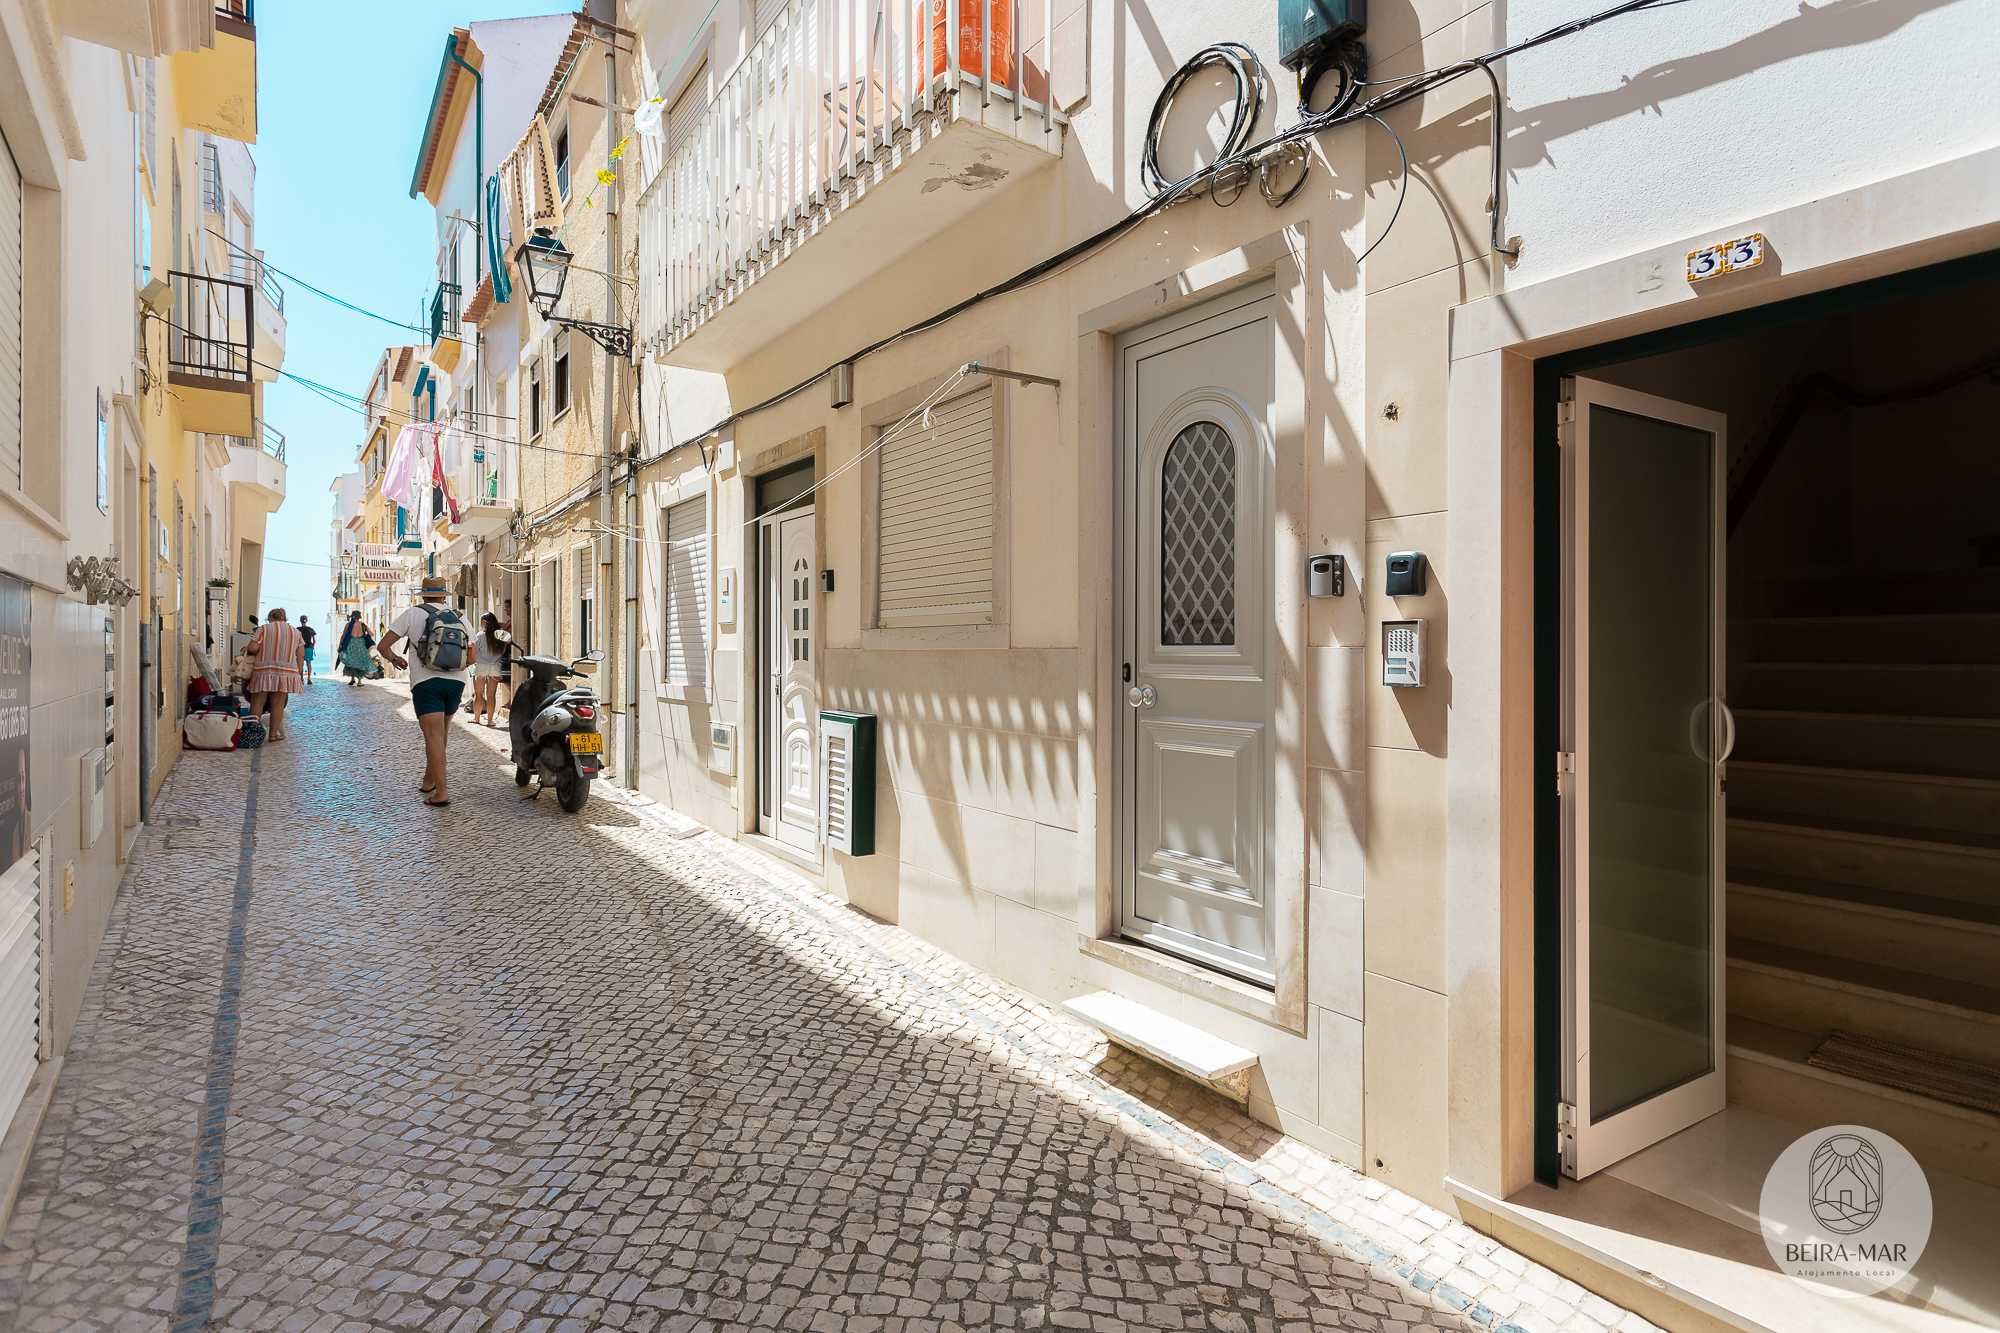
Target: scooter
[554,729]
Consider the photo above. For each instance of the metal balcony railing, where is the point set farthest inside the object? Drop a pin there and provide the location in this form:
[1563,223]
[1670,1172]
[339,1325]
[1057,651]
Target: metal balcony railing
[269,439]
[211,179]
[253,270]
[445,311]
[212,333]
[831,88]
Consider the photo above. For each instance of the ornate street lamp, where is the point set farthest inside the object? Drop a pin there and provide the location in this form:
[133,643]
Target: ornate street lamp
[545,262]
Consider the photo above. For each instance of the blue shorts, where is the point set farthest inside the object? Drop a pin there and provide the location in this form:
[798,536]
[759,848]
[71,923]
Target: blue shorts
[439,694]
[309,654]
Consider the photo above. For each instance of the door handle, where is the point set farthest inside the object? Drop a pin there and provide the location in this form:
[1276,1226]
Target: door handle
[1141,696]
[1728,732]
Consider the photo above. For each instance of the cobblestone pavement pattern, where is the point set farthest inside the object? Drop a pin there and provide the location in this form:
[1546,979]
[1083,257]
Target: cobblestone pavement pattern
[500,1068]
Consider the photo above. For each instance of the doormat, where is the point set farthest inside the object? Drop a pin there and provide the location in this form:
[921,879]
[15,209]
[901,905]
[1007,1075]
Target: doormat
[1946,1078]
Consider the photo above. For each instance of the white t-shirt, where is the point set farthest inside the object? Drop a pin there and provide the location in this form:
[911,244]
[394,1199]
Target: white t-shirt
[410,626]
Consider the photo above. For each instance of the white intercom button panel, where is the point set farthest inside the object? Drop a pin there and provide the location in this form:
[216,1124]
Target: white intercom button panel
[1403,653]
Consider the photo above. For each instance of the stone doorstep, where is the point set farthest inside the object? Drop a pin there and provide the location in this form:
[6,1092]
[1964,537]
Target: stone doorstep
[1187,1050]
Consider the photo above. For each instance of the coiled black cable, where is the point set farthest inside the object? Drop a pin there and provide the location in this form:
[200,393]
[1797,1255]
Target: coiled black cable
[1248,71]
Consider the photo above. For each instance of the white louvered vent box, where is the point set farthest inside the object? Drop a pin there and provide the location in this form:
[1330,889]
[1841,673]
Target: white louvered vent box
[847,782]
[20,980]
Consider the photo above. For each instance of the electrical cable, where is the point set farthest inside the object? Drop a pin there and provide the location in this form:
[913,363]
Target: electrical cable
[1404,91]
[922,409]
[321,292]
[1248,71]
[1402,193]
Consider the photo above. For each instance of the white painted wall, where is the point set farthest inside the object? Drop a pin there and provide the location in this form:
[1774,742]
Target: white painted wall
[1665,124]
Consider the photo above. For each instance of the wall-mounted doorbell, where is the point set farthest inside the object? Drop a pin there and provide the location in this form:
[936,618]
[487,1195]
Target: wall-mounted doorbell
[826,580]
[1402,653]
[1408,575]
[725,597]
[1326,576]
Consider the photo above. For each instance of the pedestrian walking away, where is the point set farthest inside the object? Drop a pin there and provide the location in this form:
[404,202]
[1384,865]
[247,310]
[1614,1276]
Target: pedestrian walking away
[308,636]
[356,652]
[496,653]
[441,651]
[278,654]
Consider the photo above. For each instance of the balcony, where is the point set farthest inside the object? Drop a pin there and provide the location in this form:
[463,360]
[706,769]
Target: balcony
[445,317]
[842,107]
[211,341]
[257,463]
[269,303]
[218,84]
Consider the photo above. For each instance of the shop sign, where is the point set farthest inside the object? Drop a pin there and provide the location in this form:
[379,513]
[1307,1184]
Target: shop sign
[378,563]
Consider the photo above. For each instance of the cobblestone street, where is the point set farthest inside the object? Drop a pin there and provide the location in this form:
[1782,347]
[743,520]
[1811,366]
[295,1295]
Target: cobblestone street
[347,1062]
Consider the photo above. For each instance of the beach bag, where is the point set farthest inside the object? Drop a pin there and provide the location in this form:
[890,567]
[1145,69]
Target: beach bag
[445,643]
[211,729]
[252,734]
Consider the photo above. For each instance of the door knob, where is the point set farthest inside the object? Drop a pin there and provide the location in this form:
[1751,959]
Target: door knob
[1141,696]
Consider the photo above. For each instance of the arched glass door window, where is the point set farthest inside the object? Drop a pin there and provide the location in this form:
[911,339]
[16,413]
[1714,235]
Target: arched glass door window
[1198,538]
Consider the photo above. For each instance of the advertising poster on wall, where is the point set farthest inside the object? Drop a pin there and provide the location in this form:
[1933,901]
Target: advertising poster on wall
[14,610]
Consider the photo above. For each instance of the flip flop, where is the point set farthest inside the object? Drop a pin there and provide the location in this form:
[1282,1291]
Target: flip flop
[436,804]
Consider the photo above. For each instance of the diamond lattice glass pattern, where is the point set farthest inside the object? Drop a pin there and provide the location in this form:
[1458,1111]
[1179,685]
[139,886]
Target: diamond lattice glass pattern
[1198,539]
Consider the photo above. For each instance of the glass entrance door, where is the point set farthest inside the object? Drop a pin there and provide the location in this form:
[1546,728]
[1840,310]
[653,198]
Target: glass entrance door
[1646,735]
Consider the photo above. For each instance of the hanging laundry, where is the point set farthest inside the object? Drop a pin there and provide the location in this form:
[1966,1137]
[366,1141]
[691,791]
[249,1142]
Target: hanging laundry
[443,486]
[400,473]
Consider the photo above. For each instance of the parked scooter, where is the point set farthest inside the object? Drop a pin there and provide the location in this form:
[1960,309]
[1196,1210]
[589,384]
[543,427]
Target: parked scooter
[554,729]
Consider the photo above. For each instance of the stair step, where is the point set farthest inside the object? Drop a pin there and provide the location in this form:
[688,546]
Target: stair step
[1797,988]
[1889,592]
[1208,1059]
[1923,803]
[1957,747]
[1878,859]
[1968,637]
[1768,1072]
[1947,938]
[1929,689]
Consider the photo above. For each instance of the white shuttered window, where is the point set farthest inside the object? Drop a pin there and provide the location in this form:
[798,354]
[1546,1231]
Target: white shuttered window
[13,330]
[935,536]
[686,651]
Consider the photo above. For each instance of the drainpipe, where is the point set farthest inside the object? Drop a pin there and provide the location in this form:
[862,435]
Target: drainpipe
[606,504]
[478,220]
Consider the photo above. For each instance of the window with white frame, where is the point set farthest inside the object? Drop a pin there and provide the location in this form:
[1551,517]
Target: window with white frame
[936,518]
[684,657]
[559,149]
[534,399]
[559,374]
[545,609]
[586,599]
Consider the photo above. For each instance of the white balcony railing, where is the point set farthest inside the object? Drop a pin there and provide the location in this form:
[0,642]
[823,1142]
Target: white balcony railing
[833,92]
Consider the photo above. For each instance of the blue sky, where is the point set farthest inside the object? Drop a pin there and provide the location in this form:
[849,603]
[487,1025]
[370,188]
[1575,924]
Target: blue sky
[342,92]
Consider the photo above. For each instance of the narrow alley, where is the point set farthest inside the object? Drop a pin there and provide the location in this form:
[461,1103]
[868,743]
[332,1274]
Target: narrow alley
[348,1062]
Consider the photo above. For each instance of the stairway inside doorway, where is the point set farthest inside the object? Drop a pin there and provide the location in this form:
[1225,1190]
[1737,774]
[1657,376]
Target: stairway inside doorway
[1864,870]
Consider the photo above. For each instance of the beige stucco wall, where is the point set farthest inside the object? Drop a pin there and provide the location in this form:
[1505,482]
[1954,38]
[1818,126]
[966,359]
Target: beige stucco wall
[993,817]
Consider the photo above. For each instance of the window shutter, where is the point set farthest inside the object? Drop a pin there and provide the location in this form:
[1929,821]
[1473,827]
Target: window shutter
[686,110]
[12,328]
[935,553]
[686,652]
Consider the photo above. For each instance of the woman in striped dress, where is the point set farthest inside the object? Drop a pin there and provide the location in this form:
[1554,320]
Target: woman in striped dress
[279,654]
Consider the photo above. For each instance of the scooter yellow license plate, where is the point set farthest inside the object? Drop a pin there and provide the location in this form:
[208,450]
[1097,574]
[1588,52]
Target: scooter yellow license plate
[586,742]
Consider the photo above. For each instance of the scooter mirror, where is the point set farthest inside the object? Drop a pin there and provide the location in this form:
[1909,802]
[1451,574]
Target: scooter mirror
[503,636]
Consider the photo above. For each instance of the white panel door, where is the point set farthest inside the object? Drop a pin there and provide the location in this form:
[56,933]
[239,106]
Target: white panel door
[789,718]
[1647,735]
[1197,764]
[20,981]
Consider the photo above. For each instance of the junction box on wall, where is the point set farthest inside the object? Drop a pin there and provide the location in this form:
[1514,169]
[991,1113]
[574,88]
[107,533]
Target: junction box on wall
[1309,29]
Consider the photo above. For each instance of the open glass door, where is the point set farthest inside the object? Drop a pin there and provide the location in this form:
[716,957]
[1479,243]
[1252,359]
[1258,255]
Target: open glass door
[1646,735]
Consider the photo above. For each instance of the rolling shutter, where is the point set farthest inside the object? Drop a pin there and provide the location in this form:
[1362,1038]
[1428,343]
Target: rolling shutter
[20,981]
[686,110]
[12,327]
[686,653]
[936,545]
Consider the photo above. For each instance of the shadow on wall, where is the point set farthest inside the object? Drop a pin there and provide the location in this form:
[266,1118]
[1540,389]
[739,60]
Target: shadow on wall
[1811,29]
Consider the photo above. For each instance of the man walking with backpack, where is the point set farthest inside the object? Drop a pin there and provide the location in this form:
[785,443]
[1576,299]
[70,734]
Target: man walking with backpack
[441,654]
